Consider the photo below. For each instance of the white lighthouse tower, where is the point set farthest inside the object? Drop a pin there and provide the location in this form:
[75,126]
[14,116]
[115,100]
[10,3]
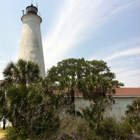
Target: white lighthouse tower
[31,42]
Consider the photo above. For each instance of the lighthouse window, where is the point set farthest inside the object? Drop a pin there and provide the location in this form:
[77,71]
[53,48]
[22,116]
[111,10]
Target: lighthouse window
[31,9]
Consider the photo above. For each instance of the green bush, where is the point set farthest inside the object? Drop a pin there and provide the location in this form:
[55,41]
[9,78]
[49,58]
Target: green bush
[110,129]
[138,128]
[124,130]
[12,134]
[107,129]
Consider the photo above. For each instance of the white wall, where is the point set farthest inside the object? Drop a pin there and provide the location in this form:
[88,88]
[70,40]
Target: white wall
[117,110]
[81,103]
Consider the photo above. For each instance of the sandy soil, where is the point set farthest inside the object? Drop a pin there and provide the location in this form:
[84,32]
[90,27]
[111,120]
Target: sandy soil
[2,134]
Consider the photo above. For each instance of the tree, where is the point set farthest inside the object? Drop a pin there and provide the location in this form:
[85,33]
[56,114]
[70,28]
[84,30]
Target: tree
[31,112]
[2,103]
[29,102]
[92,79]
[22,72]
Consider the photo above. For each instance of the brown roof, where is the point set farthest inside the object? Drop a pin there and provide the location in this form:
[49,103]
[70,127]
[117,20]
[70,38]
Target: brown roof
[127,92]
[120,92]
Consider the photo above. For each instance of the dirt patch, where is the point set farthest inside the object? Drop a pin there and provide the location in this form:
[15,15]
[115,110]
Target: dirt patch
[2,134]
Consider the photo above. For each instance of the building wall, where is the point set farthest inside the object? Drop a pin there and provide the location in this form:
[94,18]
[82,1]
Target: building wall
[80,103]
[117,110]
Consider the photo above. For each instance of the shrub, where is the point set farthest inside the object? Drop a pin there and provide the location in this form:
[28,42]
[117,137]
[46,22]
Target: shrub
[11,134]
[110,129]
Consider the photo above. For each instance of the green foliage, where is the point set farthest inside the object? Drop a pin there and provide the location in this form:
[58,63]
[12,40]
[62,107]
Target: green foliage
[133,110]
[37,113]
[11,134]
[90,78]
[133,115]
[77,128]
[124,130]
[22,72]
[106,129]
[138,128]
[30,111]
[110,129]
[28,105]
[2,102]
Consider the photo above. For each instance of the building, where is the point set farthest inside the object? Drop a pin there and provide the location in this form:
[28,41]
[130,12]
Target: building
[122,98]
[31,43]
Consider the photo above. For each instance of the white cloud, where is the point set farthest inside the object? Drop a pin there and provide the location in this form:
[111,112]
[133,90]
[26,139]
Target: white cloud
[131,78]
[134,51]
[75,20]
[124,60]
[115,49]
[127,6]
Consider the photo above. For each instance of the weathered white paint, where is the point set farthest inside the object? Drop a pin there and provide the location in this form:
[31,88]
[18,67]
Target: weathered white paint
[31,42]
[116,110]
[81,103]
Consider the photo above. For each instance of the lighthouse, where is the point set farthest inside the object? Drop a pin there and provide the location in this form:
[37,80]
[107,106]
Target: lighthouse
[31,42]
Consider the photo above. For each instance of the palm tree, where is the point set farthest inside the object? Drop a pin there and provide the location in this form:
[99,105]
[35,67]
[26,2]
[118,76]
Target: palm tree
[2,102]
[18,74]
[133,110]
[22,72]
[133,116]
[29,102]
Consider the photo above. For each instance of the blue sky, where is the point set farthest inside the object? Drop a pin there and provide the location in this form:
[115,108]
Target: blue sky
[106,30]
